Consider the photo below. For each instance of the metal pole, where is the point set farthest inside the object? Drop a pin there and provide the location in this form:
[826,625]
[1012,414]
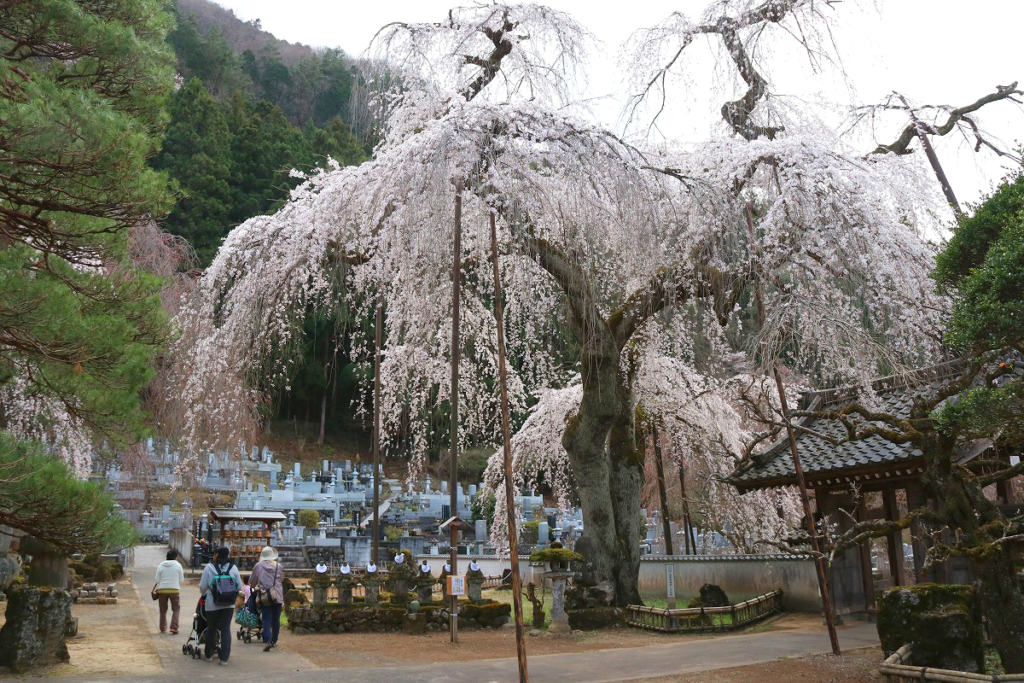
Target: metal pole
[375,529]
[510,504]
[819,560]
[666,524]
[453,479]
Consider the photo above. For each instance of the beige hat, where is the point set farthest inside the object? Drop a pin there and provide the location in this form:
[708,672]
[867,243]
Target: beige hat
[268,553]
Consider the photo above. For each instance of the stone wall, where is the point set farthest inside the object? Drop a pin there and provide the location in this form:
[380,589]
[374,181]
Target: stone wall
[34,632]
[357,618]
[741,576]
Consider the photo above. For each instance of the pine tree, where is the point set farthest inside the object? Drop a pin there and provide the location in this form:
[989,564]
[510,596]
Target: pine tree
[197,154]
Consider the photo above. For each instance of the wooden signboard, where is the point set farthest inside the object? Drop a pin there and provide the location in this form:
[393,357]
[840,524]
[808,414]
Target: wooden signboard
[670,584]
[456,585]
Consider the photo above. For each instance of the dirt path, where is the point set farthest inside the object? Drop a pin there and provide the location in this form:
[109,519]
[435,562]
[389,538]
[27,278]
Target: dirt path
[113,640]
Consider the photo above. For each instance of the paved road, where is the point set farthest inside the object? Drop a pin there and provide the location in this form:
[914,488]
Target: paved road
[601,666]
[246,660]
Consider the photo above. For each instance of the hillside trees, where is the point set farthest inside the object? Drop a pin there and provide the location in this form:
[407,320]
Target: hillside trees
[82,90]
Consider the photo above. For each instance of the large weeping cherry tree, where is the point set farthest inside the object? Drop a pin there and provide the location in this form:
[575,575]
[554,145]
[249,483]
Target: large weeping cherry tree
[638,253]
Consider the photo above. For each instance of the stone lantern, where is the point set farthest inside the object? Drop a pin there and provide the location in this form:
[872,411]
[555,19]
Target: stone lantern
[400,578]
[557,559]
[344,584]
[443,580]
[320,583]
[424,583]
[371,582]
[474,582]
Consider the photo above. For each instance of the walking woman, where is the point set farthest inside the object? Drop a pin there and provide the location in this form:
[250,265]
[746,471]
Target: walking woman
[169,576]
[266,578]
[221,584]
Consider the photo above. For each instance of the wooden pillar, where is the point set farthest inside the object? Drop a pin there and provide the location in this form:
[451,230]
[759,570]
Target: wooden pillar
[864,551]
[894,540]
[916,499]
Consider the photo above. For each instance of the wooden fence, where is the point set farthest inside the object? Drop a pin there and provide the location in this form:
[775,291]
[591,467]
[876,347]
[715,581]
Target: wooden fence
[894,670]
[705,618]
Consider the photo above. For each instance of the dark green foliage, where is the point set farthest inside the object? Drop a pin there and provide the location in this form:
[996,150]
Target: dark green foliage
[713,596]
[483,508]
[983,268]
[82,98]
[594,618]
[978,232]
[197,154]
[528,533]
[43,498]
[561,556]
[899,609]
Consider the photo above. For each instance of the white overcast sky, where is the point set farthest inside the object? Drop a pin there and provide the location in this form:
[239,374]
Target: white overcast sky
[933,51]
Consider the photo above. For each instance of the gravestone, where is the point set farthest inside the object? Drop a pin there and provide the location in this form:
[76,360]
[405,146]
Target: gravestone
[474,583]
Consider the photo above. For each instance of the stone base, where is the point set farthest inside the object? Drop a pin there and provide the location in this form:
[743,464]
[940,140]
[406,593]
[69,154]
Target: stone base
[37,621]
[559,627]
[414,624]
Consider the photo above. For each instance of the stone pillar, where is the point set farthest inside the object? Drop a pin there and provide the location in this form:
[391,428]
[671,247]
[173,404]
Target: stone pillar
[320,584]
[399,583]
[559,619]
[344,585]
[372,585]
[475,585]
[34,633]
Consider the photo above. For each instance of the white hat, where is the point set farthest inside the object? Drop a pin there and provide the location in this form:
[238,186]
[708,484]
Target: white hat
[268,553]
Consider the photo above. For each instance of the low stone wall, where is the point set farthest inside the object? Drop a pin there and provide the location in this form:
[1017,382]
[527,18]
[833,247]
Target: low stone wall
[358,618]
[741,576]
[93,594]
[181,540]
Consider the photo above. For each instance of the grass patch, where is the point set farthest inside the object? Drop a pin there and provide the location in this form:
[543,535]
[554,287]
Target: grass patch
[506,597]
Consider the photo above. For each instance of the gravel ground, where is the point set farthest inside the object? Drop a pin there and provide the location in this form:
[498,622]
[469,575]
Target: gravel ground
[854,666]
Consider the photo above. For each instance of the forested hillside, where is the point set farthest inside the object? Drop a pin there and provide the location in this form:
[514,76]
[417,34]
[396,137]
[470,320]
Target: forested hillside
[247,109]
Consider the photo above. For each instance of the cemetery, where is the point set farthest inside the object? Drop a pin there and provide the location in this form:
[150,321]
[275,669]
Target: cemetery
[506,341]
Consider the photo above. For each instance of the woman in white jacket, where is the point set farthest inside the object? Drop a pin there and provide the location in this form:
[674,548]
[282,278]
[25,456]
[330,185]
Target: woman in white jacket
[169,576]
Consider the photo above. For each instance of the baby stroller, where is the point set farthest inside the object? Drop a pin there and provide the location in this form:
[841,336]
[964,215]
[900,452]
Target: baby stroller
[196,642]
[249,621]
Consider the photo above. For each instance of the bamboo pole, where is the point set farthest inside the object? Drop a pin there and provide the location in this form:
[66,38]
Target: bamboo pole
[819,560]
[453,477]
[375,528]
[510,503]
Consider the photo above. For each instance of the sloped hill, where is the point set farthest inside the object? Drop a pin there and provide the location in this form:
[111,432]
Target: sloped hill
[240,35]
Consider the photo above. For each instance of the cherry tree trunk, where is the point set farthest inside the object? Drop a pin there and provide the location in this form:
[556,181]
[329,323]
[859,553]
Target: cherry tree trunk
[602,453]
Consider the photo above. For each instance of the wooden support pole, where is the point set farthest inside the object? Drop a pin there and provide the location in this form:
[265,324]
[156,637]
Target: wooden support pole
[375,527]
[666,524]
[933,160]
[453,474]
[689,537]
[510,503]
[819,560]
[894,540]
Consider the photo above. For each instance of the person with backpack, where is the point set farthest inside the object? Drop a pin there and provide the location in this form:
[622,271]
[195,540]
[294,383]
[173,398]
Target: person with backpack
[221,583]
[266,579]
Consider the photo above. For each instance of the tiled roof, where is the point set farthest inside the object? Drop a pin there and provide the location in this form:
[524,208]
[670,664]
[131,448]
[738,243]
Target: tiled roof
[819,458]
